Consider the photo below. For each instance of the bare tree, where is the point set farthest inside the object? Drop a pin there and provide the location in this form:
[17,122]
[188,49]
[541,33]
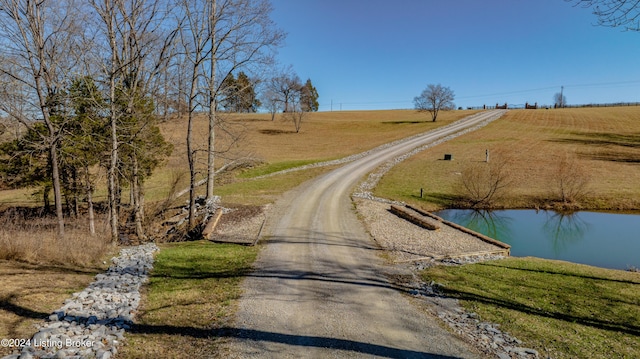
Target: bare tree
[481,183]
[296,111]
[283,87]
[241,36]
[433,99]
[271,102]
[219,37]
[37,44]
[570,180]
[137,47]
[559,100]
[614,13]
[194,40]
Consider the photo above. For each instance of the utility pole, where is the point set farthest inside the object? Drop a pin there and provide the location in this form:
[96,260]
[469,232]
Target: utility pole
[561,97]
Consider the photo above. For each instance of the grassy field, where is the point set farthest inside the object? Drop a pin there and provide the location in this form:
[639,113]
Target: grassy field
[563,310]
[323,136]
[602,143]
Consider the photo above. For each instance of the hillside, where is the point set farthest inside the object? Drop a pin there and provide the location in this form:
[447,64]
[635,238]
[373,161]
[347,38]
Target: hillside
[599,145]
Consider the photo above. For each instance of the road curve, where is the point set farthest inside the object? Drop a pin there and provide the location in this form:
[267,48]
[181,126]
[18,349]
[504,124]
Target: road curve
[319,287]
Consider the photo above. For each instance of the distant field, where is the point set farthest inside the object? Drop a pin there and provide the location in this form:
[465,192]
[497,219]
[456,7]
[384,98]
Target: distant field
[604,143]
[323,136]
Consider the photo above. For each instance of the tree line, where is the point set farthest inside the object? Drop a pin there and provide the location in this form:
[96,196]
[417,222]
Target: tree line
[89,81]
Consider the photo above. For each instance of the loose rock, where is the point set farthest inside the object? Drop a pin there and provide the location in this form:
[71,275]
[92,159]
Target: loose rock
[86,325]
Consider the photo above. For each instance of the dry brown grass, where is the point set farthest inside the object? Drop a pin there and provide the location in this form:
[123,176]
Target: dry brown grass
[38,271]
[323,136]
[27,237]
[604,142]
[30,292]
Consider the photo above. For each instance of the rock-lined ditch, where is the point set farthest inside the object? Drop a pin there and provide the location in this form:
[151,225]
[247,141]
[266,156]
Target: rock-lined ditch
[92,323]
[484,335]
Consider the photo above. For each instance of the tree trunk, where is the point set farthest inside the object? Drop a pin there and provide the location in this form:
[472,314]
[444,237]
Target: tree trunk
[136,200]
[46,203]
[212,104]
[57,193]
[190,151]
[89,192]
[113,165]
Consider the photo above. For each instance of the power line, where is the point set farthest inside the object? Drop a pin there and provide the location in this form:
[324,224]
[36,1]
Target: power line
[504,93]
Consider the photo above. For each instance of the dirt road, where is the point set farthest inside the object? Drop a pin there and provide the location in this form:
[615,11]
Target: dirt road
[319,288]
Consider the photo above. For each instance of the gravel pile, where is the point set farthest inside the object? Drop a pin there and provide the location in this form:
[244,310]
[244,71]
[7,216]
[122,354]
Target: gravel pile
[92,323]
[408,242]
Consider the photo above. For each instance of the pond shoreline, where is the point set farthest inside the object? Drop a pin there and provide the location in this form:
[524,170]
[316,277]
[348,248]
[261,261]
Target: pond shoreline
[601,239]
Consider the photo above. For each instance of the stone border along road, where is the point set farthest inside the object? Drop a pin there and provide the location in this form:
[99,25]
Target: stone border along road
[319,286]
[92,323]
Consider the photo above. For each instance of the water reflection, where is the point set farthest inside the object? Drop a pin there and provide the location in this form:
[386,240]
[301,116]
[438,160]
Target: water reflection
[491,223]
[564,229]
[601,239]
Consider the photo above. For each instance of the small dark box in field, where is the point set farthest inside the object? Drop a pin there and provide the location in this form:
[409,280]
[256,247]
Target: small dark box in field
[448,157]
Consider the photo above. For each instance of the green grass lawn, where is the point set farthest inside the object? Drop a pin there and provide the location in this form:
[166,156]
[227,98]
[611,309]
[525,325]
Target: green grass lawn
[561,309]
[190,293]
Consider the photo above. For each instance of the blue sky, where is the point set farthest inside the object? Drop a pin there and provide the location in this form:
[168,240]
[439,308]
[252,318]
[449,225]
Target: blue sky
[380,54]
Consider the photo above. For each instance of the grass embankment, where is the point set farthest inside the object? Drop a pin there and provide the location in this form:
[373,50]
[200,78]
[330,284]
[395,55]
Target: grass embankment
[602,144]
[190,293]
[561,309]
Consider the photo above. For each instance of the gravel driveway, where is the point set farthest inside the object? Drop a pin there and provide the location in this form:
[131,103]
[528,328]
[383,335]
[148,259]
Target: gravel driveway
[321,287]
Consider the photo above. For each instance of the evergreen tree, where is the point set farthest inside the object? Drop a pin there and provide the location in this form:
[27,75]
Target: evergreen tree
[86,140]
[309,97]
[24,162]
[229,94]
[246,94]
[142,146]
[238,95]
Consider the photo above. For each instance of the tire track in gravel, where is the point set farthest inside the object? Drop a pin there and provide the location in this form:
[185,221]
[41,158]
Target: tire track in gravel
[319,287]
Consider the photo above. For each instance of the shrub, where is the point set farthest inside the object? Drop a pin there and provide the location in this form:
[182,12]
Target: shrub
[570,180]
[481,183]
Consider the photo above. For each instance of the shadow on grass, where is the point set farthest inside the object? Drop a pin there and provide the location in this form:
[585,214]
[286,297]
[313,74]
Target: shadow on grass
[7,305]
[307,341]
[606,139]
[405,122]
[563,274]
[505,303]
[276,132]
[512,304]
[441,199]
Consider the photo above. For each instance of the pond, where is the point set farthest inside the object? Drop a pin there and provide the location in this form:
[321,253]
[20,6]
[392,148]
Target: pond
[607,240]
